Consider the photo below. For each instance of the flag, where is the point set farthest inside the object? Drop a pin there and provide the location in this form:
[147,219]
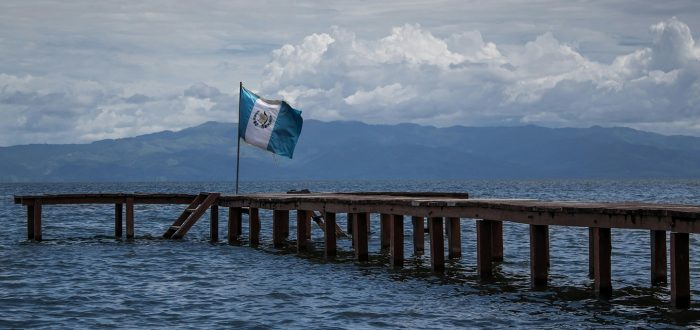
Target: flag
[271,125]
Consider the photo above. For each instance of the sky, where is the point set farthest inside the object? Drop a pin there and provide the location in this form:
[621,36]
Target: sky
[80,71]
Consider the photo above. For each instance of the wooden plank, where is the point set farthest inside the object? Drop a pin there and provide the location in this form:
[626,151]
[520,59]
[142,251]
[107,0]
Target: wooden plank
[118,220]
[385,230]
[330,235]
[437,244]
[129,218]
[37,220]
[454,238]
[184,215]
[302,231]
[680,270]
[196,215]
[30,222]
[395,228]
[484,248]
[418,235]
[280,227]
[360,224]
[254,226]
[602,258]
[497,241]
[658,257]
[235,215]
[539,256]
[214,223]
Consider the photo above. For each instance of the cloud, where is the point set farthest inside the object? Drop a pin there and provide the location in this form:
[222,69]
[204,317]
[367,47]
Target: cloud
[412,75]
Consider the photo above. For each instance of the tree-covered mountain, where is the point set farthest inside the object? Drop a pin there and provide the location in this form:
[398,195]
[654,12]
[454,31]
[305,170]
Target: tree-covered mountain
[354,150]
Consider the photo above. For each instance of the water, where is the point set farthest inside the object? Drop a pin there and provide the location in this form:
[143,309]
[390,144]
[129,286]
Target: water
[80,277]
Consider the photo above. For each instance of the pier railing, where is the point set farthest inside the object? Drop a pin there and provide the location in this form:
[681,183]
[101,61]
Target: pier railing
[441,211]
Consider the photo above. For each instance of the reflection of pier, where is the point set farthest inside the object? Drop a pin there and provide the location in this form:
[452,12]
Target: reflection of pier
[442,210]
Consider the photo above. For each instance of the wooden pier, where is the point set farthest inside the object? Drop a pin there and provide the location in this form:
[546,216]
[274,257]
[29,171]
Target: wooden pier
[440,210]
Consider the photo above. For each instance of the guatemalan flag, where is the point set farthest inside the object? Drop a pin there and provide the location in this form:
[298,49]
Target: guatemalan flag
[268,124]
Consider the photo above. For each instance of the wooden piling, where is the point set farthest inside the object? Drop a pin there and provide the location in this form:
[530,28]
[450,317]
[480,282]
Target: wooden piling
[437,244]
[349,224]
[214,223]
[680,270]
[418,235]
[37,220]
[497,241]
[454,238]
[396,240]
[484,248]
[302,231]
[280,227]
[254,225]
[602,250]
[129,218]
[118,220]
[539,256]
[30,221]
[591,253]
[658,256]
[385,230]
[235,215]
[360,224]
[330,235]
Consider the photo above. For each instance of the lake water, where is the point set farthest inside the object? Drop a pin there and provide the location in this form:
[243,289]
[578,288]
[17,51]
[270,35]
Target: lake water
[81,277]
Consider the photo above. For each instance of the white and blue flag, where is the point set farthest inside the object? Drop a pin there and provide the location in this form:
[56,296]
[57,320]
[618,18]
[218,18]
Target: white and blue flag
[268,124]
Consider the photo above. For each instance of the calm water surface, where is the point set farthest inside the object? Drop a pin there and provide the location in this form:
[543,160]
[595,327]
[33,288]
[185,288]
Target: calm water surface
[80,277]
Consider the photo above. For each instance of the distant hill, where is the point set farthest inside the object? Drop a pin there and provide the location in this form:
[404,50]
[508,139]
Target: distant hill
[354,150]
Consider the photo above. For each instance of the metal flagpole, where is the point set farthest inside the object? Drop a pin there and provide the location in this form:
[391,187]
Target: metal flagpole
[238,134]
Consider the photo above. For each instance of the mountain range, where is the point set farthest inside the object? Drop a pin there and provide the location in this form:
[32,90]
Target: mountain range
[354,150]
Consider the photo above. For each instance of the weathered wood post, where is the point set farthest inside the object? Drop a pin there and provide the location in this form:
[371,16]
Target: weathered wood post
[302,231]
[118,220]
[385,230]
[129,218]
[658,256]
[680,270]
[30,221]
[539,255]
[497,241]
[484,248]
[234,224]
[280,227]
[329,236]
[37,220]
[349,224]
[214,224]
[396,240]
[360,224]
[591,252]
[454,238]
[418,235]
[437,244]
[254,225]
[602,245]
[309,216]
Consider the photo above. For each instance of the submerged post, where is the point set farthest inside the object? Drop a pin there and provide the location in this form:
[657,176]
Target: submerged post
[658,256]
[254,225]
[360,224]
[680,270]
[602,254]
[30,221]
[302,230]
[497,241]
[437,244]
[396,240]
[129,218]
[329,236]
[385,230]
[484,248]
[37,220]
[214,224]
[118,220]
[591,252]
[234,224]
[539,255]
[280,227]
[454,238]
[418,235]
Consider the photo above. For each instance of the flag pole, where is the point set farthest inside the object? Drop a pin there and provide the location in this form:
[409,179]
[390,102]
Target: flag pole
[238,134]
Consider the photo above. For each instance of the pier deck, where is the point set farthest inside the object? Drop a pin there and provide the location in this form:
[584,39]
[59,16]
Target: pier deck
[441,211]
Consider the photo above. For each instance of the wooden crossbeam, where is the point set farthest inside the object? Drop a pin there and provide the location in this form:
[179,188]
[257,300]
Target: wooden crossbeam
[198,213]
[185,214]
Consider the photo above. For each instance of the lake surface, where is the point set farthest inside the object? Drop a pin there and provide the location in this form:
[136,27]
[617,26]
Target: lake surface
[81,277]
